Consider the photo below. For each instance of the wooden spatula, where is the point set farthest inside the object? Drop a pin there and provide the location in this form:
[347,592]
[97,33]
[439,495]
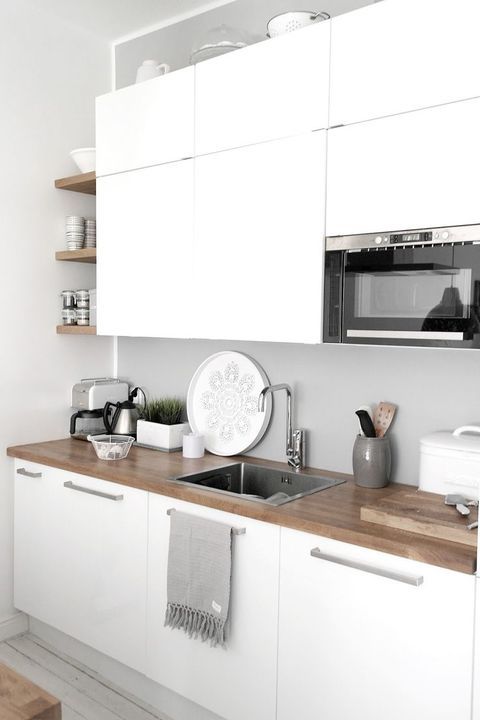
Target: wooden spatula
[383,416]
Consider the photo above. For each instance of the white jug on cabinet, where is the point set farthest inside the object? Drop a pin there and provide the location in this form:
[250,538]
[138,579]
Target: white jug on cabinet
[151,69]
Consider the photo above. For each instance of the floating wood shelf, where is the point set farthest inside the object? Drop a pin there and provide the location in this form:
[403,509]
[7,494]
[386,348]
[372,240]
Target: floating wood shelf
[76,330]
[85,255]
[84,183]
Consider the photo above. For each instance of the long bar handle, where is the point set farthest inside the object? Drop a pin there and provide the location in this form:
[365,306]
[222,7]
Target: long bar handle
[28,473]
[235,531]
[71,486]
[415,580]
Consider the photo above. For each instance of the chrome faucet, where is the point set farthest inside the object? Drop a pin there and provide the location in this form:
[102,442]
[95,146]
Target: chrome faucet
[295,448]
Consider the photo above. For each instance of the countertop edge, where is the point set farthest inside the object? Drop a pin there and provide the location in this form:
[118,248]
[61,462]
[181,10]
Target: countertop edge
[460,558]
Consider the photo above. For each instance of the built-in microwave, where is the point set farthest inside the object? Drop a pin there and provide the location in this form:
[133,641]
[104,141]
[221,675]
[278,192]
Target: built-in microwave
[413,287]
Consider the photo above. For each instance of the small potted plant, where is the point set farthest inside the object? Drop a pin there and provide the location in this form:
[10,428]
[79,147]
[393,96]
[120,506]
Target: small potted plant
[161,424]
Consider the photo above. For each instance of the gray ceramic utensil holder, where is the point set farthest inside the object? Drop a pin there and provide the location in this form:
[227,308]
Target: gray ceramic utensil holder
[371,461]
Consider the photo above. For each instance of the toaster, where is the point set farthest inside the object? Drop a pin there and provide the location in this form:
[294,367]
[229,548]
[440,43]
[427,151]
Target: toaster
[93,393]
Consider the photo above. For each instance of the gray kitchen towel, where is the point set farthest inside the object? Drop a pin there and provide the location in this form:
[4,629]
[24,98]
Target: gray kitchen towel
[198,578]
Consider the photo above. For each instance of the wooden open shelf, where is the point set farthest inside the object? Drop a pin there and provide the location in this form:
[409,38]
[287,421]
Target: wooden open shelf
[84,183]
[85,255]
[76,330]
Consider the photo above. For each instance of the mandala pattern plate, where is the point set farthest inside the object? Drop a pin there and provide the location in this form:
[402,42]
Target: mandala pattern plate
[222,403]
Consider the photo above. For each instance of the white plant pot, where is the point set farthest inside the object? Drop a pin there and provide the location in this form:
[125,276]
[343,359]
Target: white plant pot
[165,437]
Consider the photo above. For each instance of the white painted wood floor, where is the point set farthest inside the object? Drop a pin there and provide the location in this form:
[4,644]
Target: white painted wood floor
[84,694]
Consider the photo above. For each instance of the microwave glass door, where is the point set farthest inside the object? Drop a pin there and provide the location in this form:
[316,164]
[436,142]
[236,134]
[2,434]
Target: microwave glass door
[424,295]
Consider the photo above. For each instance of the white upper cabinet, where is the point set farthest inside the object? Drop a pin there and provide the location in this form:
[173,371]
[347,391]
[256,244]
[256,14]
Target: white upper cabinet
[269,90]
[409,171]
[144,254]
[401,55]
[146,124]
[357,640]
[259,214]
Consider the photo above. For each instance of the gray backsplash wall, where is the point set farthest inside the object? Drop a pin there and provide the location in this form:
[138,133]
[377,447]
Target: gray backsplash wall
[174,43]
[434,389]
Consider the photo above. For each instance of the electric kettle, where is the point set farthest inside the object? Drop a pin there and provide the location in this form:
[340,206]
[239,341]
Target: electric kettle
[121,418]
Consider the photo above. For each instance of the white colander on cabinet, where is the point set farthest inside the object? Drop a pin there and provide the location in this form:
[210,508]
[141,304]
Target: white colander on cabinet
[290,21]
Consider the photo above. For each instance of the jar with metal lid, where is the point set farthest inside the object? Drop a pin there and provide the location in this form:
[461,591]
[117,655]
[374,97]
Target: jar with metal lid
[83,316]
[83,299]
[69,316]
[68,298]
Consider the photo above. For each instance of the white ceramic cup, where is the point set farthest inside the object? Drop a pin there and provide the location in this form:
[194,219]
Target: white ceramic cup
[151,69]
[193,446]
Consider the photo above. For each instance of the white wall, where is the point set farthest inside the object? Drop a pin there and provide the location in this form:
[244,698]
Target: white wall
[49,75]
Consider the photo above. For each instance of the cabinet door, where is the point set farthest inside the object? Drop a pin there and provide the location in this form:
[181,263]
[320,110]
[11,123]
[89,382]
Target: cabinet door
[80,559]
[356,644]
[144,254]
[269,90]
[238,681]
[259,241]
[403,55]
[146,124]
[405,172]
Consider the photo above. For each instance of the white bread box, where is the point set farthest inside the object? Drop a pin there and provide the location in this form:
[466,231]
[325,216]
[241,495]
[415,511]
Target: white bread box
[450,462]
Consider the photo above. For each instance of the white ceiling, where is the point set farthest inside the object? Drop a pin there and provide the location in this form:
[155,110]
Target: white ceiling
[113,19]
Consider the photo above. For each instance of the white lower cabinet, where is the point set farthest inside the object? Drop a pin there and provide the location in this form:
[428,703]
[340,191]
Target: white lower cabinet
[80,558]
[239,681]
[344,634]
[354,644]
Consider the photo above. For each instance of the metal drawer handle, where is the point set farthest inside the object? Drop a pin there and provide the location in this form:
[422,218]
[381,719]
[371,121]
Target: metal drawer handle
[415,580]
[28,473]
[70,486]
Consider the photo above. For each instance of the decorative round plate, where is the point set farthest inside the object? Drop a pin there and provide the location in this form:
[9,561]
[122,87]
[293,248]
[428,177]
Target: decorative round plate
[222,403]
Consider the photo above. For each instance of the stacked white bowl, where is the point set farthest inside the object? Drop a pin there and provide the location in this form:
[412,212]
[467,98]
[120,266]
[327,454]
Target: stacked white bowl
[75,232]
[90,233]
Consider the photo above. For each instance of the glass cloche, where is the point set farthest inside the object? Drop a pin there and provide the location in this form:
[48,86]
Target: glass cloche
[218,41]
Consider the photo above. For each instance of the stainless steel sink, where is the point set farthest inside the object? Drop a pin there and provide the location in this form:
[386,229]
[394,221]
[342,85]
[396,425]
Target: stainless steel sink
[258,482]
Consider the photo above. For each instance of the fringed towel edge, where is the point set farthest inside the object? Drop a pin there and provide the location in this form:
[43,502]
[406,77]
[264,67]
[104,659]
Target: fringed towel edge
[196,623]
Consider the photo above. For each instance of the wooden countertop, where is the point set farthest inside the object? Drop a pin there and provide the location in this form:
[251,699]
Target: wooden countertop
[333,513]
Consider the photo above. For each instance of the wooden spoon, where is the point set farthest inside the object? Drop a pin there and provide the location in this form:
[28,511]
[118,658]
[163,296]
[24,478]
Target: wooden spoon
[383,416]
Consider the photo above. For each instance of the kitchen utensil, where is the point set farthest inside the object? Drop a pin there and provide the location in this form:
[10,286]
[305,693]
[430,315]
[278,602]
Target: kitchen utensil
[84,158]
[290,21]
[460,503]
[382,417]
[150,69]
[222,403]
[421,513]
[371,461]
[111,447]
[450,462]
[218,41]
[125,415]
[366,423]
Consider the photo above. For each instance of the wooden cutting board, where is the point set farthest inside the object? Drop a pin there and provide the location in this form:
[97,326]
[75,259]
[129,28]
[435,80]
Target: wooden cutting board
[22,700]
[422,513]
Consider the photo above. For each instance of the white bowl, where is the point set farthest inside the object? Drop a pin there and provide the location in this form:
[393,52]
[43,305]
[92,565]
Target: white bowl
[84,158]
